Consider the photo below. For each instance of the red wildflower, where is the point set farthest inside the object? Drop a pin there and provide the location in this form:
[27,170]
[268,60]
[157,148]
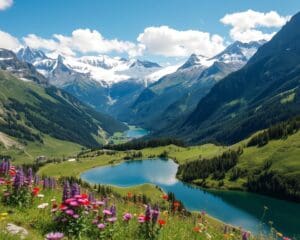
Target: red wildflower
[165,197]
[176,204]
[196,229]
[84,195]
[161,222]
[63,206]
[35,191]
[129,195]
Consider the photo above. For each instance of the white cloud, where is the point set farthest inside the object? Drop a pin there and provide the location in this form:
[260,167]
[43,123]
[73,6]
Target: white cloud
[170,42]
[83,41]
[245,24]
[4,4]
[8,41]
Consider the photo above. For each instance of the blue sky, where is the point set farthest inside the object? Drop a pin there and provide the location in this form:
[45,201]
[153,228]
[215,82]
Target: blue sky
[125,20]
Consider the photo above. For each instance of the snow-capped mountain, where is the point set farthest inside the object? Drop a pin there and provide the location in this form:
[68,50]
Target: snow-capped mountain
[104,69]
[30,55]
[238,52]
[180,91]
[25,71]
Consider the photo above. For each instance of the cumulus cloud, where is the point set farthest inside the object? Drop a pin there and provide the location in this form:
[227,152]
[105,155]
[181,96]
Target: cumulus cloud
[245,25]
[170,42]
[8,41]
[83,41]
[4,4]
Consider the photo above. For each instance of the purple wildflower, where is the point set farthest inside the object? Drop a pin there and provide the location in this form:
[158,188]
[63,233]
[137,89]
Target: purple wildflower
[91,197]
[148,213]
[107,212]
[70,212]
[75,189]
[66,191]
[155,214]
[101,226]
[246,236]
[19,179]
[54,236]
[113,210]
[127,217]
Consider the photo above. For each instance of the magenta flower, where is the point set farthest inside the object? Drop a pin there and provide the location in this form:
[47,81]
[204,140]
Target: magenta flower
[100,203]
[75,216]
[101,226]
[127,216]
[106,212]
[141,219]
[70,212]
[74,204]
[54,236]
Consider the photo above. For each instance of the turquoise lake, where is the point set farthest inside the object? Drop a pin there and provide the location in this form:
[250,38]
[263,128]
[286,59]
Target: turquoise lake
[233,207]
[136,133]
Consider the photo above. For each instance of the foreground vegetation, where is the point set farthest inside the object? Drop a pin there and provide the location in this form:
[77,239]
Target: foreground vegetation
[97,212]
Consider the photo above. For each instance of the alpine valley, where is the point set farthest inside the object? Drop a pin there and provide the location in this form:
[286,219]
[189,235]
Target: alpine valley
[107,144]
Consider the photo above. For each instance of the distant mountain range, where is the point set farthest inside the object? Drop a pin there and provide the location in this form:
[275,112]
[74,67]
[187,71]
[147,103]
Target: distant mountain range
[263,92]
[178,93]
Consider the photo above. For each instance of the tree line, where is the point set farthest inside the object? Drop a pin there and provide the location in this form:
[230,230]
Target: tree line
[278,131]
[202,168]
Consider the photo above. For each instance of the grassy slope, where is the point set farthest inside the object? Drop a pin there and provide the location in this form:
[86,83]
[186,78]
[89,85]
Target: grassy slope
[52,148]
[284,155]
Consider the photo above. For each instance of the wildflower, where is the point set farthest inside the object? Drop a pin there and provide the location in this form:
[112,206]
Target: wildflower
[35,191]
[196,229]
[127,217]
[113,210]
[129,195]
[176,204]
[107,212]
[91,197]
[75,216]
[286,238]
[19,179]
[161,222]
[155,214]
[63,207]
[101,226]
[74,203]
[100,203]
[40,195]
[53,200]
[111,219]
[148,213]
[66,191]
[54,236]
[4,214]
[69,212]
[245,235]
[43,205]
[141,219]
[75,189]
[165,197]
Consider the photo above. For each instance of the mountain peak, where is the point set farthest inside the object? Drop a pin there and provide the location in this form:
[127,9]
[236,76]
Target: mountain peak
[30,55]
[196,60]
[145,64]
